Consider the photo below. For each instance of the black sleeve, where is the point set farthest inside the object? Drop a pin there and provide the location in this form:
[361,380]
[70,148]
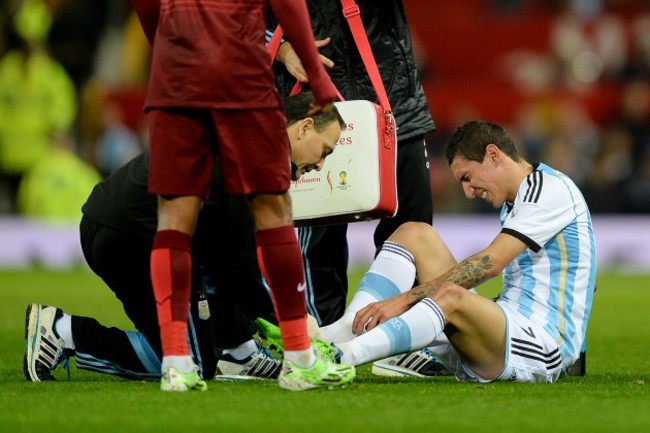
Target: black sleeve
[525,239]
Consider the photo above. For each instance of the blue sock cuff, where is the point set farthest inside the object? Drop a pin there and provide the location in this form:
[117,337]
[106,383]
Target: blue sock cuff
[398,334]
[378,286]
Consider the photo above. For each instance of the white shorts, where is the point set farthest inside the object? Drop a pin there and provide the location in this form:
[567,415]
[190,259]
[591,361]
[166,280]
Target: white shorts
[531,356]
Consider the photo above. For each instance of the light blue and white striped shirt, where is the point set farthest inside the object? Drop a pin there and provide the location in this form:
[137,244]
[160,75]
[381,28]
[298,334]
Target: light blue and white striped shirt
[552,282]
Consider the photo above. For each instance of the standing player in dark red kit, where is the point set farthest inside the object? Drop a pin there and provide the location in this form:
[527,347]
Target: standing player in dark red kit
[211,91]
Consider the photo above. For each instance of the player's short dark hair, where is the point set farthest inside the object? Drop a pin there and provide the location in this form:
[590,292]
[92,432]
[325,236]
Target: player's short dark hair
[471,138]
[296,108]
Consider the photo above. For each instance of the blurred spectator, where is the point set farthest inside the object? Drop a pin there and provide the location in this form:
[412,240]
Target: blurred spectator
[635,120]
[588,46]
[117,144]
[634,117]
[528,130]
[613,165]
[637,189]
[56,187]
[639,62]
[559,133]
[77,28]
[37,97]
[620,180]
[124,53]
[111,118]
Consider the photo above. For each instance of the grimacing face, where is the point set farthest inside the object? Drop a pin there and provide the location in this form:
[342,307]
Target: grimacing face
[309,148]
[479,180]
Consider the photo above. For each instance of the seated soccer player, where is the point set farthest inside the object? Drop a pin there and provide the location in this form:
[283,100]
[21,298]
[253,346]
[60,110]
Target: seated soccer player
[545,253]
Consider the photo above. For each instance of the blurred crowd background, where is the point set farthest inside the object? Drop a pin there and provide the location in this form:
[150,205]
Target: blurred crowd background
[569,79]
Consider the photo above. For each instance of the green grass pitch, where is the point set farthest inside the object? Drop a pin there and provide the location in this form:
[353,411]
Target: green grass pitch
[614,396]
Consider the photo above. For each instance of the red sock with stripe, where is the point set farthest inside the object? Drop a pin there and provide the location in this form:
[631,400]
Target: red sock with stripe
[171,276]
[280,260]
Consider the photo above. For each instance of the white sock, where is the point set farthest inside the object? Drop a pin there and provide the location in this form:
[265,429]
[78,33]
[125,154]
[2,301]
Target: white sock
[313,330]
[339,331]
[63,328]
[302,358]
[182,363]
[242,351]
[414,329]
[391,273]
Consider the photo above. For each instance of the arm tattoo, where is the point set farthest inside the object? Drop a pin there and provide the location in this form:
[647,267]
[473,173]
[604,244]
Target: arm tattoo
[469,273]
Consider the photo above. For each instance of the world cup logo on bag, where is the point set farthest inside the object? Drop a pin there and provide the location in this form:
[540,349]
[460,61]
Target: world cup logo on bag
[343,178]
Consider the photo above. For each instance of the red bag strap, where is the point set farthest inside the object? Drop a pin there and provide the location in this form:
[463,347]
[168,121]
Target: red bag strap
[274,44]
[352,14]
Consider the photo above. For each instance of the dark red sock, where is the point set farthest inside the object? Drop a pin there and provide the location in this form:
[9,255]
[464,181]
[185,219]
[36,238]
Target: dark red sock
[171,276]
[280,260]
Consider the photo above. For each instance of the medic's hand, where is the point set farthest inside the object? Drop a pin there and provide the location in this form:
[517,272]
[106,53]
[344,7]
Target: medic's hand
[290,59]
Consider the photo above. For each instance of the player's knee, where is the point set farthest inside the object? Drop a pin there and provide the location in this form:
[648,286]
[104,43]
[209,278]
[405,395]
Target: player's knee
[412,234]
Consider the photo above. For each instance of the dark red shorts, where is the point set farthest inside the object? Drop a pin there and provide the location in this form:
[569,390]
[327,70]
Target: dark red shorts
[253,145]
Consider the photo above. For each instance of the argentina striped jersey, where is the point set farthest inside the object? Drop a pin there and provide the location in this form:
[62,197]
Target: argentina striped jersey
[552,282]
